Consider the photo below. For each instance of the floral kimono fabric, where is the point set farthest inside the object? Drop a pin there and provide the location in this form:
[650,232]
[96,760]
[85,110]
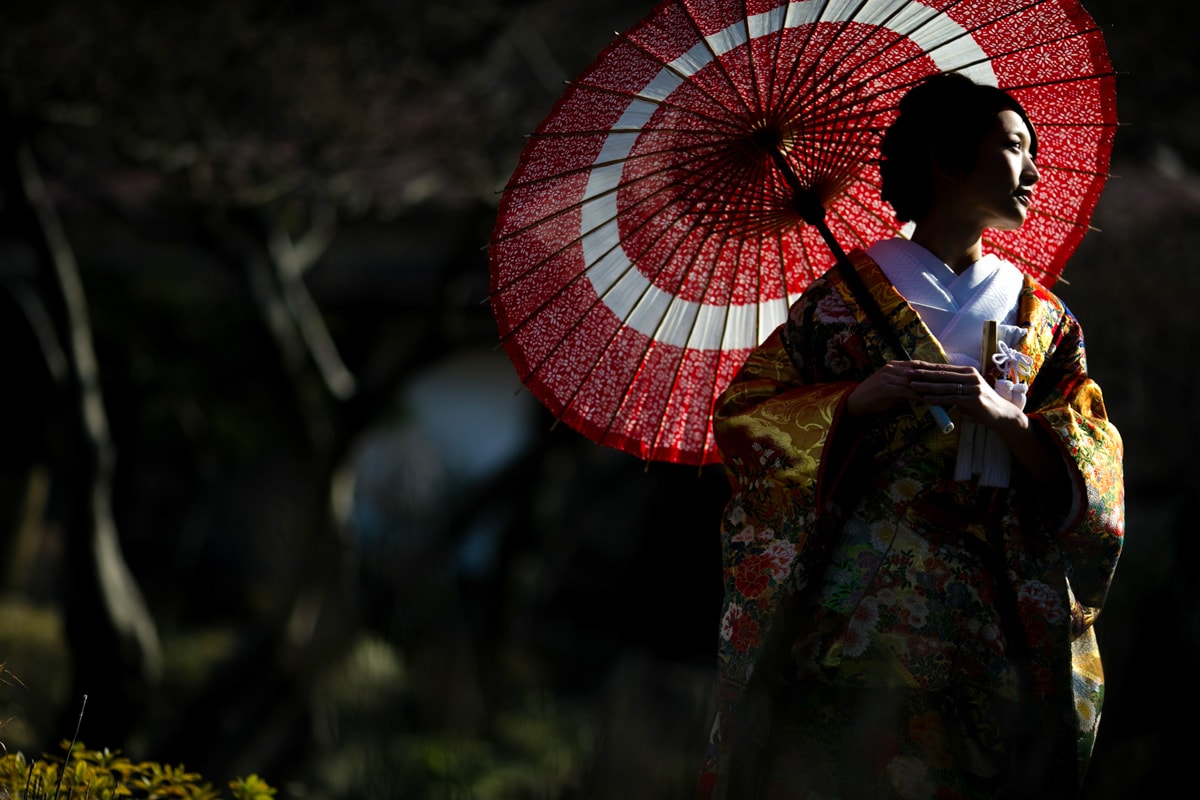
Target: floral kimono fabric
[889,631]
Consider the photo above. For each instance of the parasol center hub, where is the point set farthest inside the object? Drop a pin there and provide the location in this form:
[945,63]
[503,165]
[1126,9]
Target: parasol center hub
[774,136]
[776,142]
[768,138]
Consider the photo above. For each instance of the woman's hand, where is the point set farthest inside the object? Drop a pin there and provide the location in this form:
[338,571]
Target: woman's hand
[882,390]
[964,388]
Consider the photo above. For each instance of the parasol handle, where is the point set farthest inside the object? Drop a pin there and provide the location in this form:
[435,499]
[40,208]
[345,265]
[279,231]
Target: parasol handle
[808,205]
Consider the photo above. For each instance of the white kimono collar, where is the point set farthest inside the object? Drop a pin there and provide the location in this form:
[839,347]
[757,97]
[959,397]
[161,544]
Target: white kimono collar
[953,307]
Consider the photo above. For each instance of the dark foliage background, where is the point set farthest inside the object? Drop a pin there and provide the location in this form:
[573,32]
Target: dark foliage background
[244,348]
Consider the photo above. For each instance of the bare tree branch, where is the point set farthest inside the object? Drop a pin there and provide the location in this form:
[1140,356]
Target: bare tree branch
[119,593]
[292,259]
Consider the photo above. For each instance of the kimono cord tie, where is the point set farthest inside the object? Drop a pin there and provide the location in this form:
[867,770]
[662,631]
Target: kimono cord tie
[1007,359]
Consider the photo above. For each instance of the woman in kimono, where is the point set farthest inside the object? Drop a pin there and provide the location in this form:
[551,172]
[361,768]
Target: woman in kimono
[909,613]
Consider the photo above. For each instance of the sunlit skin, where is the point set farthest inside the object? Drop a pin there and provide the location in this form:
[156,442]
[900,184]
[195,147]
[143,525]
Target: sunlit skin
[995,193]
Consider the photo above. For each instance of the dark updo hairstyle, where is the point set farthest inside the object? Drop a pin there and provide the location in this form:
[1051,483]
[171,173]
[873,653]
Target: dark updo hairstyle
[942,122]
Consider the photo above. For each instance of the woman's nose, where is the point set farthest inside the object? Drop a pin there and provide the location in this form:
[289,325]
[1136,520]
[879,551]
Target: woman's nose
[1030,174]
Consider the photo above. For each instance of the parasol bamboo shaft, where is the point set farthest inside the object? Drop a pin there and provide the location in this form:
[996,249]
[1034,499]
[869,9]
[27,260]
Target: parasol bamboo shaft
[808,204]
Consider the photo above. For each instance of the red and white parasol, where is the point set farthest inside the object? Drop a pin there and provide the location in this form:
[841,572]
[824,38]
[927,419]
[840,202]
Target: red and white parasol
[648,240]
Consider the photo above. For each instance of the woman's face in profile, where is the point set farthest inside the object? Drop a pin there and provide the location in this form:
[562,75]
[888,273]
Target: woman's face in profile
[998,190]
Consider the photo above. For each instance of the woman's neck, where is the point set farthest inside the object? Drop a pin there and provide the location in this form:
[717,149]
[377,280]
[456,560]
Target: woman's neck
[951,234]
[958,246]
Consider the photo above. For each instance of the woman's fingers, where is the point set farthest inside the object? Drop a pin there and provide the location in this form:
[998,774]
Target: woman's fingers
[962,389]
[882,390]
[945,382]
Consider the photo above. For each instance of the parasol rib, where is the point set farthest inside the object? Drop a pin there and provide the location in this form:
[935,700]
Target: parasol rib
[602,164]
[569,402]
[730,121]
[778,16]
[1038,212]
[731,124]
[683,211]
[628,395]
[697,155]
[969,32]
[845,224]
[715,57]
[751,64]
[810,30]
[1095,76]
[1014,256]
[685,77]
[728,241]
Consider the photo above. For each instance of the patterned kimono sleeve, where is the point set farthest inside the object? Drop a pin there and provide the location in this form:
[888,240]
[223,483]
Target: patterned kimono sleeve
[773,428]
[1073,412]
[772,431]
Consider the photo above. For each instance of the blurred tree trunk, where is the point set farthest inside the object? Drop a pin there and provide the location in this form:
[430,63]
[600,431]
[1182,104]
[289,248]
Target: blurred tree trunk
[114,647]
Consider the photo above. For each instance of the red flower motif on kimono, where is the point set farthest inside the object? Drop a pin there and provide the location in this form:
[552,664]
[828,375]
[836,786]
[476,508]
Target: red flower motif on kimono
[754,575]
[739,628]
[844,352]
[832,309]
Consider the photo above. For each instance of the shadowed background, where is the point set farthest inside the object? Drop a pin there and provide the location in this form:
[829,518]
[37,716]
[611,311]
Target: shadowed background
[270,495]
